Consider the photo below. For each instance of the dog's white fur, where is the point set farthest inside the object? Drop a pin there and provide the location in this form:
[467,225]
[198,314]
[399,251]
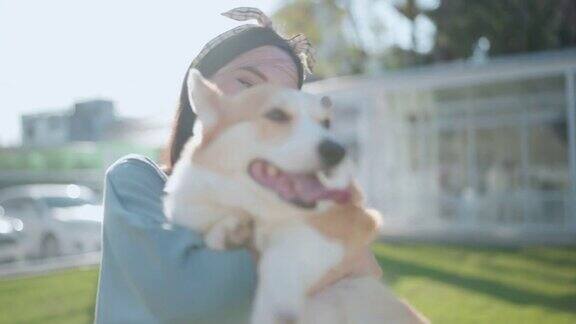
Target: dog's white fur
[211,192]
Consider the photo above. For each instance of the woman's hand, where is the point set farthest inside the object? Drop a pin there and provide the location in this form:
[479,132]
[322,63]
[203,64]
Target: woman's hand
[364,264]
[359,264]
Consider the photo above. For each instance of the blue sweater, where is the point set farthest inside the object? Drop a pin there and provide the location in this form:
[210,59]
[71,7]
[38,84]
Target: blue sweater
[154,272]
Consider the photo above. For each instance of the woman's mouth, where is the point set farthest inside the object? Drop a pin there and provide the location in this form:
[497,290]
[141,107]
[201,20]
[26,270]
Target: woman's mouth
[304,190]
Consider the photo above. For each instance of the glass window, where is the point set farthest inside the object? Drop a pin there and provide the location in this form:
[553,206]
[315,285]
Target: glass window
[548,157]
[20,208]
[453,158]
[498,159]
[64,202]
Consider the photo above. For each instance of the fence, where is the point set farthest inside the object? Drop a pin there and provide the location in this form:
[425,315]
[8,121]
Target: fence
[82,163]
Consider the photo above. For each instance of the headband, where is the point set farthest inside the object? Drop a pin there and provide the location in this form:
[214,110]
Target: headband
[236,41]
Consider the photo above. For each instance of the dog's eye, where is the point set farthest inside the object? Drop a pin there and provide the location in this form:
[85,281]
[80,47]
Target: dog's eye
[277,115]
[325,123]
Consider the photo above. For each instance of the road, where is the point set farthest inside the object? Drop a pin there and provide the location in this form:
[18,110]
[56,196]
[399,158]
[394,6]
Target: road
[35,267]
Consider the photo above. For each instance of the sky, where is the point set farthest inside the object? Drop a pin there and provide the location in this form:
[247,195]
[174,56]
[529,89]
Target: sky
[54,53]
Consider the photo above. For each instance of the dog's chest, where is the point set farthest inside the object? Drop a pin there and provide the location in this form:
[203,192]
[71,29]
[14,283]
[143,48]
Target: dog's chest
[302,245]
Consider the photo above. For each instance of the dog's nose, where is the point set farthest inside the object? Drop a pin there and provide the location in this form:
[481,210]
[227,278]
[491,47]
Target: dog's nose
[331,152]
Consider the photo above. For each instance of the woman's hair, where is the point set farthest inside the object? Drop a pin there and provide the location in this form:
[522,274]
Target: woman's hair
[215,58]
[181,128]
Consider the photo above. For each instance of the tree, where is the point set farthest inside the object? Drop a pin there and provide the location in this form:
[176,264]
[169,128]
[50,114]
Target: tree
[331,29]
[348,41]
[339,31]
[511,26]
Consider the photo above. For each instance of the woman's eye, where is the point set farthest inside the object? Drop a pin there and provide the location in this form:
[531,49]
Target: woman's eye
[278,115]
[325,123]
[245,83]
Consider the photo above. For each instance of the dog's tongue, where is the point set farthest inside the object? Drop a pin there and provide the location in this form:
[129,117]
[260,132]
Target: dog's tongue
[297,187]
[309,189]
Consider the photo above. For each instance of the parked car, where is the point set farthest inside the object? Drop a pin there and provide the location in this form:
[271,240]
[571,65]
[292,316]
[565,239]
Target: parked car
[56,219]
[10,238]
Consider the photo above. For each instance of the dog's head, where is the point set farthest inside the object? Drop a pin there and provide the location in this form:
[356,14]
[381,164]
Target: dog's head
[273,142]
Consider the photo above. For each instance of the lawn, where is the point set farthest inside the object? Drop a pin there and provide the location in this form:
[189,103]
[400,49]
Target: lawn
[449,284]
[454,284]
[64,297]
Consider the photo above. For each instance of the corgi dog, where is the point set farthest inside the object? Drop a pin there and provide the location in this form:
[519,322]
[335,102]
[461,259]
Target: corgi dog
[266,156]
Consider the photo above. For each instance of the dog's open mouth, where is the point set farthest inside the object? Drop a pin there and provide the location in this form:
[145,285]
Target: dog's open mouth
[303,190]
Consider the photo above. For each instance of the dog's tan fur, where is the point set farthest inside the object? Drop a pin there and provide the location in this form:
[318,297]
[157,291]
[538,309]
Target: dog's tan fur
[244,107]
[351,224]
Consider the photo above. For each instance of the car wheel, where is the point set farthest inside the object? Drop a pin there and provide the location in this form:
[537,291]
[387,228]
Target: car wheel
[50,247]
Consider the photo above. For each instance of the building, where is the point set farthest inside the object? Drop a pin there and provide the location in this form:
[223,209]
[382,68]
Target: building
[45,129]
[85,121]
[90,120]
[485,150]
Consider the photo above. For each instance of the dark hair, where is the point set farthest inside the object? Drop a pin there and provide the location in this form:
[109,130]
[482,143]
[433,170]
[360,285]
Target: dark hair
[219,56]
[181,128]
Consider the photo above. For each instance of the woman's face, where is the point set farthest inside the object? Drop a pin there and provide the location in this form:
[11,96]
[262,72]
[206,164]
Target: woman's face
[266,64]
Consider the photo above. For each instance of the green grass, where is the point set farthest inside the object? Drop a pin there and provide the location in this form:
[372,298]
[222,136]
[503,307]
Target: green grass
[64,297]
[449,284]
[453,284]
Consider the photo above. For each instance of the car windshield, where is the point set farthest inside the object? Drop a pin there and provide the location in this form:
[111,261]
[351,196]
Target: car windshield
[64,202]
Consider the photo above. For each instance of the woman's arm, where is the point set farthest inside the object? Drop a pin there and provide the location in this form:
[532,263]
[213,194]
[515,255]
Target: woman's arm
[167,268]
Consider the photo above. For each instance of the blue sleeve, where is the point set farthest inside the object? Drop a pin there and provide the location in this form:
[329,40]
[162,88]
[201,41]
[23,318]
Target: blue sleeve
[168,267]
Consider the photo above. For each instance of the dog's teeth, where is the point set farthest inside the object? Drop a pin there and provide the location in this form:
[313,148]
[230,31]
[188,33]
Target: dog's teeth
[323,179]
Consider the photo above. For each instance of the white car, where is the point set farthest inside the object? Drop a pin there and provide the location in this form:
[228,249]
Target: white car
[10,236]
[56,219]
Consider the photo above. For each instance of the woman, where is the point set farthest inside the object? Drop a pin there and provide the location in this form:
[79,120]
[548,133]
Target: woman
[152,272]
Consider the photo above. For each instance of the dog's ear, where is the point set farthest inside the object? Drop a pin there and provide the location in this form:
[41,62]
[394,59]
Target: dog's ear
[205,99]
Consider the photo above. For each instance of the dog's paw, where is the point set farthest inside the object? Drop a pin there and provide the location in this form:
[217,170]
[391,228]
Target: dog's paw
[216,238]
[241,234]
[231,232]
